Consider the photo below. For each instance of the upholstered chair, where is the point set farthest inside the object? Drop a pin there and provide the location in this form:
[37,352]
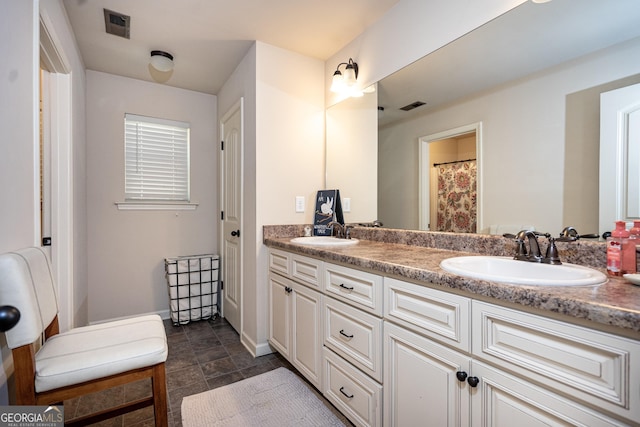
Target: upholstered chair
[51,367]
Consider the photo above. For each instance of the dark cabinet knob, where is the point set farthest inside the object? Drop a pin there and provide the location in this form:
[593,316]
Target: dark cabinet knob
[235,233]
[473,381]
[461,375]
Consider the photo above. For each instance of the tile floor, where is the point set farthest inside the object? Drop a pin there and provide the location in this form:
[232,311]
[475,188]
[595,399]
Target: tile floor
[202,356]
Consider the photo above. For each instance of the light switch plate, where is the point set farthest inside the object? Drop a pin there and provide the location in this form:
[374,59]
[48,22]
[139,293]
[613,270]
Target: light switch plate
[299,203]
[346,204]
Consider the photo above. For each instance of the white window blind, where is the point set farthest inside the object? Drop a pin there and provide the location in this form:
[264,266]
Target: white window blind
[156,159]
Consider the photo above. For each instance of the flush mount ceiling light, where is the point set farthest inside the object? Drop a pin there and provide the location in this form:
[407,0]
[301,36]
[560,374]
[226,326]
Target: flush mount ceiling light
[346,83]
[161,61]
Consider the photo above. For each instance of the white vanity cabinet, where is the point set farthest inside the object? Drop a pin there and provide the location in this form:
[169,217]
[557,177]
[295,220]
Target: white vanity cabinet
[353,343]
[513,368]
[420,375]
[295,315]
[387,352]
[326,320]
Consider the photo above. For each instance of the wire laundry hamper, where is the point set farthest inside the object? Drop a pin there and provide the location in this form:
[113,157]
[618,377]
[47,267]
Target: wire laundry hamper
[193,284]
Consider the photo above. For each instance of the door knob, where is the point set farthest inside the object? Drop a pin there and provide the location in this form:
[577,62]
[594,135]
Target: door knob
[473,381]
[235,233]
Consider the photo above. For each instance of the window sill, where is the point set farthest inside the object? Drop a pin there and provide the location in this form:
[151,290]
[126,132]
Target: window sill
[156,206]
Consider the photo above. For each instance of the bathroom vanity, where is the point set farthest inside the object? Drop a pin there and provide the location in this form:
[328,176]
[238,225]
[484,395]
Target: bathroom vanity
[392,339]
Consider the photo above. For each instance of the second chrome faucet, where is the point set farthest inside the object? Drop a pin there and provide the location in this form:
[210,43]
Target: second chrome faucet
[341,231]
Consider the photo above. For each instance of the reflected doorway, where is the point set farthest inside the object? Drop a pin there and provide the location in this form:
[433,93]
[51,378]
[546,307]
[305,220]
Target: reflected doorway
[449,180]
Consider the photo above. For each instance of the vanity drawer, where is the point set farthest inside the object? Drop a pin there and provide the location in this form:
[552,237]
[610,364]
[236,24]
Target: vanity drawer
[307,270]
[435,314]
[360,288]
[356,395]
[279,261]
[589,365]
[354,335]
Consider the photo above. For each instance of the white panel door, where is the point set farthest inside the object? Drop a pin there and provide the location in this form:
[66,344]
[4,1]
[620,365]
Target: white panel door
[231,194]
[306,332]
[280,314]
[619,156]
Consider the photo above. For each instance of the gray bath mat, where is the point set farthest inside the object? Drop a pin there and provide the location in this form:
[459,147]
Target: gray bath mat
[276,398]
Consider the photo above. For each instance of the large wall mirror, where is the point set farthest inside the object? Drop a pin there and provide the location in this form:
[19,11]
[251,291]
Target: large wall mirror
[533,78]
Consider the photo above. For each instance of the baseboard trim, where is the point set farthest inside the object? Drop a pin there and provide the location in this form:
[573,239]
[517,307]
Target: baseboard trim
[256,350]
[164,315]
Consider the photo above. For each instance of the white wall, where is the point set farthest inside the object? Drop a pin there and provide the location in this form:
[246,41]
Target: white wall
[127,249]
[19,192]
[283,158]
[351,149]
[19,120]
[407,32]
[530,176]
[289,151]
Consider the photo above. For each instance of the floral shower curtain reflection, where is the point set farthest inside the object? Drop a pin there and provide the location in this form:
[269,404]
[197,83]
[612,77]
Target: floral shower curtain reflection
[457,209]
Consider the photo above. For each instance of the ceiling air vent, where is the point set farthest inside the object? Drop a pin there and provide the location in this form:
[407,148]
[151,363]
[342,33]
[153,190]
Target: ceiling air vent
[412,106]
[116,23]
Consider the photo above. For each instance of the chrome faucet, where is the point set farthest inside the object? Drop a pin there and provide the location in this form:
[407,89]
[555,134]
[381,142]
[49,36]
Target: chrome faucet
[341,231]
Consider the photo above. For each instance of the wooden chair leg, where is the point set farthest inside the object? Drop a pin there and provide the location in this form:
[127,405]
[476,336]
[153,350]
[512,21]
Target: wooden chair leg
[159,385]
[24,374]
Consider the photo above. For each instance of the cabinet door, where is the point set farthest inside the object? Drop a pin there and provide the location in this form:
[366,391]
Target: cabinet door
[279,314]
[306,331]
[420,383]
[505,400]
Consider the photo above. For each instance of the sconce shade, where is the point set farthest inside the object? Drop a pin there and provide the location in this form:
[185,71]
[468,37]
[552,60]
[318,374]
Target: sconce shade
[337,83]
[161,61]
[349,75]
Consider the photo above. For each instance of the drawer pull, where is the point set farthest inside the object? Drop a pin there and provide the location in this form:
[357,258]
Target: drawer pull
[343,286]
[461,375]
[343,392]
[287,289]
[343,333]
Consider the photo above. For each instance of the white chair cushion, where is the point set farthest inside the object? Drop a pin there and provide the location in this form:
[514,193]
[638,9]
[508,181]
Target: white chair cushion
[96,351]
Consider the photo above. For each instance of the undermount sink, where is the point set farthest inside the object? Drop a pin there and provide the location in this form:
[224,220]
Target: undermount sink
[323,241]
[508,270]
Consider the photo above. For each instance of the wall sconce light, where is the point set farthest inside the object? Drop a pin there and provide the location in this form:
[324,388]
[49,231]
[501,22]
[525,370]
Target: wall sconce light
[161,61]
[346,83]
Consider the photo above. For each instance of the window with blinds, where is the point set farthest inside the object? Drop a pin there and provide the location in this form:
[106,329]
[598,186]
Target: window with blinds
[156,159]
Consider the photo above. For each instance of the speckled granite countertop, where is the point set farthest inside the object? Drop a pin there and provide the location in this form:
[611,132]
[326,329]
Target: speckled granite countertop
[615,303]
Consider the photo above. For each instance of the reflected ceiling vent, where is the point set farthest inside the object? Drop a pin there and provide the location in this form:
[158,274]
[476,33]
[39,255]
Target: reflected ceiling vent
[412,106]
[116,23]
